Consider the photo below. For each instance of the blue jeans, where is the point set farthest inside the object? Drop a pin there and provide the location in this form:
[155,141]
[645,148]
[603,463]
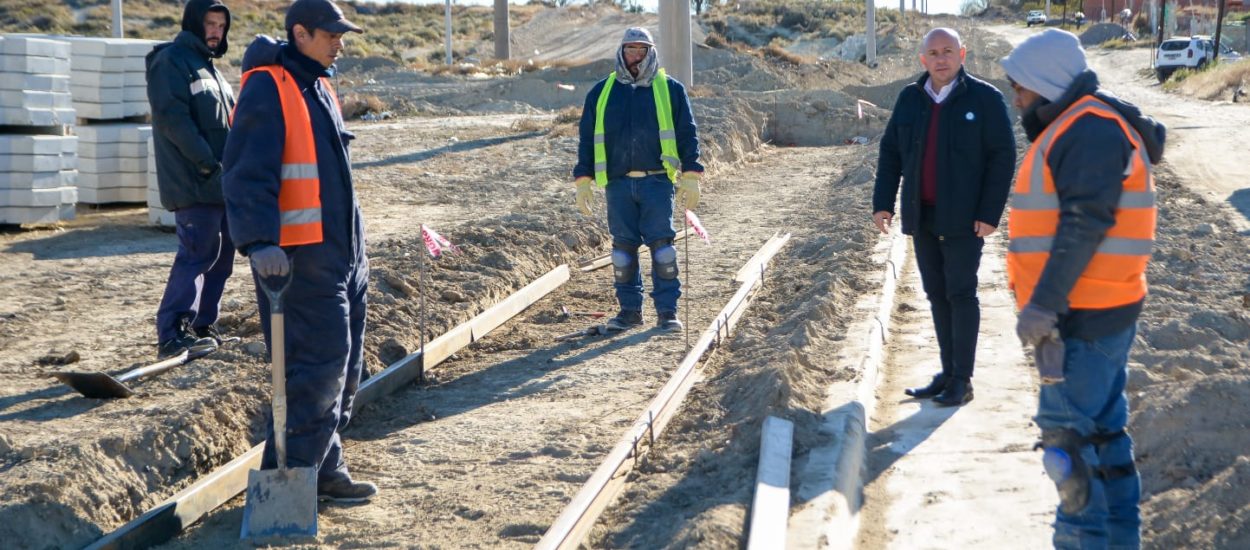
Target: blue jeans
[640,211]
[1091,401]
[197,279]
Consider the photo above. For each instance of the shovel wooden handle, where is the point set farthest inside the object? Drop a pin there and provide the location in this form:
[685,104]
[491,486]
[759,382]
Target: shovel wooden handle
[277,330]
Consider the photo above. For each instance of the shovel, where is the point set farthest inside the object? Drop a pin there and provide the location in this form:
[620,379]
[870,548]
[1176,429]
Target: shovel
[98,385]
[281,502]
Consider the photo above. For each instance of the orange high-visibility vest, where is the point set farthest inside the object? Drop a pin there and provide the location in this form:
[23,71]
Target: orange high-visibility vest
[299,195]
[1116,275]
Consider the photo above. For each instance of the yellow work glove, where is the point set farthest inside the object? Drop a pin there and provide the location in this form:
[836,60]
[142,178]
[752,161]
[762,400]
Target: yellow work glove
[688,190]
[584,194]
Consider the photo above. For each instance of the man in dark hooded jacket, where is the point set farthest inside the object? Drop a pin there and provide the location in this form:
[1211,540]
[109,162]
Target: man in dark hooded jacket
[293,211]
[191,105]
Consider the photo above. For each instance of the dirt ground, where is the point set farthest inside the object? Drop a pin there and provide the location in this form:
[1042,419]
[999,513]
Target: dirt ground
[500,438]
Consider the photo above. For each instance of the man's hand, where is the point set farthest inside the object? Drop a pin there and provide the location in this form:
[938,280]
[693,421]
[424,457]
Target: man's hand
[883,220]
[270,261]
[584,194]
[688,190]
[983,229]
[1035,324]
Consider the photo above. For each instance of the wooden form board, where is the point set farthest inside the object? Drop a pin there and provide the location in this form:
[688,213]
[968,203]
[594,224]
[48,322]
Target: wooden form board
[170,517]
[770,509]
[575,521]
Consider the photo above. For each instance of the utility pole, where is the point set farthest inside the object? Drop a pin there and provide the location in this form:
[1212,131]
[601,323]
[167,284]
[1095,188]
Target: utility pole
[1163,14]
[675,55]
[502,48]
[1219,26]
[871,32]
[118,31]
[448,13]
[1048,9]
[902,10]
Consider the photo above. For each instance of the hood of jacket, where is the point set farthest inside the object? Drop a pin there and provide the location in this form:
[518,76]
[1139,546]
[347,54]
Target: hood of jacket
[1041,113]
[266,50]
[193,22]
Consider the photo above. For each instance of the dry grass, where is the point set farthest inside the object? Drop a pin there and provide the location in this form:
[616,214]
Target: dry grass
[531,124]
[1122,44]
[1217,82]
[355,105]
[777,52]
[569,115]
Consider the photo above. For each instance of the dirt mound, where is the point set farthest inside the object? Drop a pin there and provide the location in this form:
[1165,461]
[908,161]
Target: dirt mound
[1102,32]
[1190,384]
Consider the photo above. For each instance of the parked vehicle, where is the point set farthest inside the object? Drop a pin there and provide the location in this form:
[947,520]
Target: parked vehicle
[1183,52]
[1035,17]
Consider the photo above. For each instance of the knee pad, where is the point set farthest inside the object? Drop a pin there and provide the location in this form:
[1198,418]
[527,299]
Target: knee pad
[664,260]
[624,265]
[1061,457]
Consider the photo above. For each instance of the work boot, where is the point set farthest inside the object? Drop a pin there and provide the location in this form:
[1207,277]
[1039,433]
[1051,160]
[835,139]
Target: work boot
[345,490]
[958,392]
[625,320]
[668,321]
[184,340]
[935,387]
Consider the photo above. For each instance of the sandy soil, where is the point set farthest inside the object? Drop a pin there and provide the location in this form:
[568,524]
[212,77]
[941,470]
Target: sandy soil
[489,451]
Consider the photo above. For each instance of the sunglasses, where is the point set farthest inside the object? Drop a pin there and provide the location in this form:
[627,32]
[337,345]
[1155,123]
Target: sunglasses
[636,49]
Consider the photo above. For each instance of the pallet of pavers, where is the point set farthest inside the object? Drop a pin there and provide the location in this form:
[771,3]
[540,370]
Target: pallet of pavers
[109,81]
[113,162]
[34,89]
[37,178]
[156,211]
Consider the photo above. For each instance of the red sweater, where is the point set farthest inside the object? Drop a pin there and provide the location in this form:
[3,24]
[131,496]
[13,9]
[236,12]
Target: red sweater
[928,161]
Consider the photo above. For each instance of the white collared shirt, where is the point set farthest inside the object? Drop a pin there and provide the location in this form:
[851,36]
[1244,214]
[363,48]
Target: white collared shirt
[940,95]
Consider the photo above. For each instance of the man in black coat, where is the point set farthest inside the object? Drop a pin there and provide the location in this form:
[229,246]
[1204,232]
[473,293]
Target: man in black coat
[950,141]
[191,105]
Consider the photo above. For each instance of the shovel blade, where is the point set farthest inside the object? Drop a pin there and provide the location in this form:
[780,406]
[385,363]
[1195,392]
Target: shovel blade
[280,503]
[96,385]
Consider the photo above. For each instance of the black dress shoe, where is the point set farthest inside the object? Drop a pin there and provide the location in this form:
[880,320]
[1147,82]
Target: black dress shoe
[957,392]
[935,387]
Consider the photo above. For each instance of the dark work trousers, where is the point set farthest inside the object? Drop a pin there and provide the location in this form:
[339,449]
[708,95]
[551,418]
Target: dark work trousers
[204,261]
[325,326]
[948,271]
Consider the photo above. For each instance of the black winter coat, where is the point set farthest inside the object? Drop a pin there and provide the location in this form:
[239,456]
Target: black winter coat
[976,156]
[191,105]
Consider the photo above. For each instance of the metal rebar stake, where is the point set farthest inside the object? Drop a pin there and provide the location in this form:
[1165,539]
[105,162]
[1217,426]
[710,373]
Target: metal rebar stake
[686,294]
[424,288]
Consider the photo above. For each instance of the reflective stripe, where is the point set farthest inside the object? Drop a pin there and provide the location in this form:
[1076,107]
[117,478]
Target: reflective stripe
[1035,201]
[1110,245]
[1137,199]
[1126,246]
[297,217]
[299,171]
[668,134]
[599,138]
[601,166]
[670,160]
[203,85]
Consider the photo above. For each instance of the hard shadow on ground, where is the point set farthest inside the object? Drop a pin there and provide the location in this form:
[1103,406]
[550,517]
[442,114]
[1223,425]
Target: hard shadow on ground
[458,147]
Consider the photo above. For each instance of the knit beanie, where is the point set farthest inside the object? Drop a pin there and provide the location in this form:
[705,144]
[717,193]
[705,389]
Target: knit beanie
[1046,63]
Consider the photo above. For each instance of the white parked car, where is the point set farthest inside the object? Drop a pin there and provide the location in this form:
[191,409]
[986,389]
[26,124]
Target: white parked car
[1183,52]
[1035,17]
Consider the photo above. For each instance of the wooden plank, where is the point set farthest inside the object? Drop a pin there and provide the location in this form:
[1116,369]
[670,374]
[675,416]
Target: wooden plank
[575,521]
[166,520]
[499,313]
[770,510]
[601,261]
[178,512]
[770,248]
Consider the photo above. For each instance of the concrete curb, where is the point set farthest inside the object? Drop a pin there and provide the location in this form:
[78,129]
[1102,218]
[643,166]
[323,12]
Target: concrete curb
[831,481]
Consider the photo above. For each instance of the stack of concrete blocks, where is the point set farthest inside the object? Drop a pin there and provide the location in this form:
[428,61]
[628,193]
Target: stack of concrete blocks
[109,86]
[113,162]
[109,80]
[156,212]
[37,157]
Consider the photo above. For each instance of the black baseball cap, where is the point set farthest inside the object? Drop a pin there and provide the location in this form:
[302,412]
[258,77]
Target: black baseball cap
[319,14]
